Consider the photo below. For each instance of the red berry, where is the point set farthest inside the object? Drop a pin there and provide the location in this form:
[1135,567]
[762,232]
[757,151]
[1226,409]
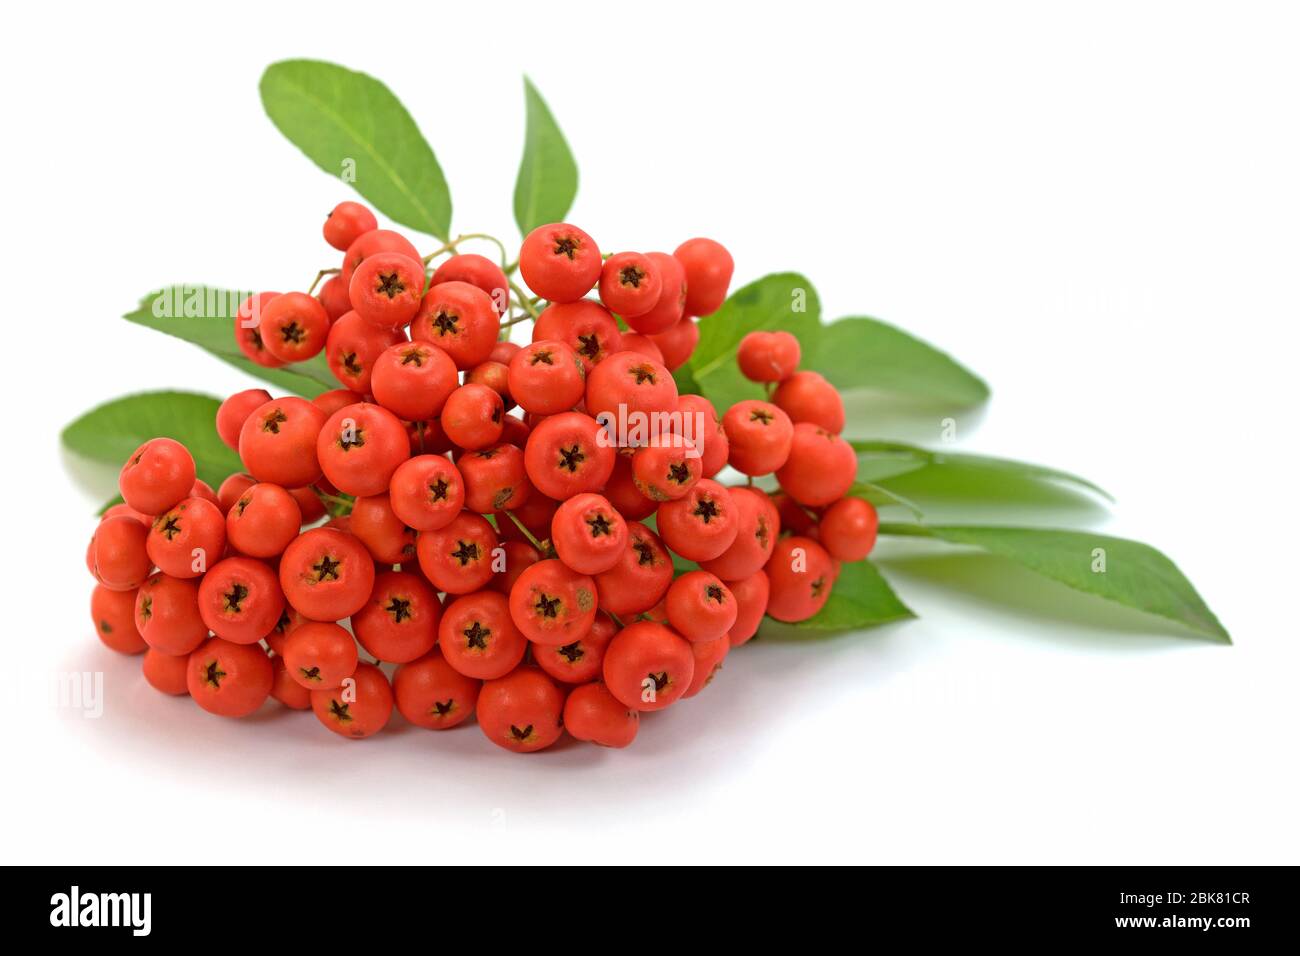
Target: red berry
[167,614]
[294,327]
[630,284]
[559,262]
[278,442]
[700,423]
[800,574]
[640,577]
[630,382]
[326,574]
[166,672]
[567,454]
[708,267]
[287,690]
[371,243]
[848,529]
[553,604]
[359,447]
[807,397]
[235,410]
[495,479]
[386,289]
[114,615]
[668,308]
[580,660]
[478,638]
[496,376]
[768,356]
[346,222]
[399,621]
[309,504]
[592,713]
[427,492]
[457,558]
[187,538]
[648,666]
[384,534]
[702,524]
[120,553]
[240,600]
[460,319]
[708,661]
[622,492]
[357,710]
[517,556]
[546,378]
[352,348]
[413,380]
[759,435]
[667,468]
[248,330]
[473,417]
[231,490]
[821,468]
[522,711]
[229,680]
[319,655]
[589,535]
[756,534]
[478,271]
[263,521]
[677,342]
[432,694]
[585,326]
[751,595]
[700,606]
[157,475]
[333,297]
[643,345]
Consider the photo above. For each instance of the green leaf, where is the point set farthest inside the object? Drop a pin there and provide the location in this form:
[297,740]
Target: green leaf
[784,300]
[352,126]
[865,353]
[881,497]
[1135,575]
[881,461]
[860,598]
[205,316]
[548,174]
[111,432]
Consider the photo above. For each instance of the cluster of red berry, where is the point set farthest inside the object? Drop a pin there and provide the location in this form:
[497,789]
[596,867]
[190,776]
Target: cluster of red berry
[503,561]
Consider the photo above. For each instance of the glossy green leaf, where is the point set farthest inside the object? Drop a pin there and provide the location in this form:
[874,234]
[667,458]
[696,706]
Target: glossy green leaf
[548,174]
[881,497]
[783,300]
[111,432]
[880,461]
[865,353]
[352,126]
[860,598]
[1125,572]
[205,316]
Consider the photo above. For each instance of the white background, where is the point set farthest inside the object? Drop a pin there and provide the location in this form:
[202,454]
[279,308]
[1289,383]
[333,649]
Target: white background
[1095,206]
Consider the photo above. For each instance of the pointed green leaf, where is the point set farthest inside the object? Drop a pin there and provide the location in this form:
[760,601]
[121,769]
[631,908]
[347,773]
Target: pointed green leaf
[1125,572]
[352,126]
[865,353]
[205,316]
[548,174]
[879,461]
[111,432]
